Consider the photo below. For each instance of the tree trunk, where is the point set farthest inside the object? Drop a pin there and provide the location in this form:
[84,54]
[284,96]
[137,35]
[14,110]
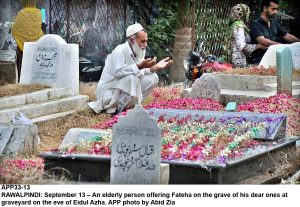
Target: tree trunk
[183,41]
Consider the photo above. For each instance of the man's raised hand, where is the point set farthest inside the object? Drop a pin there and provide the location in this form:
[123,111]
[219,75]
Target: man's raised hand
[161,64]
[147,63]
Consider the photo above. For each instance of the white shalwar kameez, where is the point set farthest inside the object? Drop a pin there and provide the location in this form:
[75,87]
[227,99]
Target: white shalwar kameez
[120,77]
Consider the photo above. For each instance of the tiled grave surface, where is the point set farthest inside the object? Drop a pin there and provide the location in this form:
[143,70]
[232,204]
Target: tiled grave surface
[252,162]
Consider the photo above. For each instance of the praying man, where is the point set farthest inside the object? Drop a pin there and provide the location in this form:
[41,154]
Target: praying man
[127,77]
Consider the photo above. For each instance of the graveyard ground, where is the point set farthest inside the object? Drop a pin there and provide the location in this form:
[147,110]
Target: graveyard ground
[28,168]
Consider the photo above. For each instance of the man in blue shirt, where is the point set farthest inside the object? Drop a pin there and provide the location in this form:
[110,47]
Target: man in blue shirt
[266,31]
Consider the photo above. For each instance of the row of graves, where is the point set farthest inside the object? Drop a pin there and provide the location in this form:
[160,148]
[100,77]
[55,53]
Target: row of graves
[177,146]
[50,62]
[146,146]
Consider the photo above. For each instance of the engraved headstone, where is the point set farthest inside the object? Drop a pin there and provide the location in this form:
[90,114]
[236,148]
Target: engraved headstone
[284,70]
[269,59]
[206,87]
[51,61]
[136,148]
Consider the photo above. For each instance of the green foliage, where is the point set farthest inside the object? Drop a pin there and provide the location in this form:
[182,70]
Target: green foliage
[161,33]
[284,4]
[213,29]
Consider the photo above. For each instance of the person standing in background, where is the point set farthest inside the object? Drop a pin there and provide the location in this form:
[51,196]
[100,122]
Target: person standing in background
[240,36]
[27,27]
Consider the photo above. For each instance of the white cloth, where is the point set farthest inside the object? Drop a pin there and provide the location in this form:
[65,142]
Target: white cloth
[121,73]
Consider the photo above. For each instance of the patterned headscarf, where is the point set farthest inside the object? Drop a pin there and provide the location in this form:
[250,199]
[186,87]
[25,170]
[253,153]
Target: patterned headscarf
[239,12]
[239,16]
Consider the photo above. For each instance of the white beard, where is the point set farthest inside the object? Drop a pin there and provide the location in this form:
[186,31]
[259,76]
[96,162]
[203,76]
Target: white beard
[139,52]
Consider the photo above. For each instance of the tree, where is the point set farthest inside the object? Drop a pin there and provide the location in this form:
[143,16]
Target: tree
[183,40]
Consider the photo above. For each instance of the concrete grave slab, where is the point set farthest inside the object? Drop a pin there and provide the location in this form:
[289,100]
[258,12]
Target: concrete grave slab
[23,139]
[77,135]
[5,134]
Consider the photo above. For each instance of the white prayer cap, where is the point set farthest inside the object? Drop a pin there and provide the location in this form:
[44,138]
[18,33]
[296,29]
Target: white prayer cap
[134,28]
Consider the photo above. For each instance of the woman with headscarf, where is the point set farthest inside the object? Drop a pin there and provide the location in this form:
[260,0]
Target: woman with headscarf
[27,27]
[240,37]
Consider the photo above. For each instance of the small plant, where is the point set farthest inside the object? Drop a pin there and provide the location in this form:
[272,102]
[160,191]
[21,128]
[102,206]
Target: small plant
[161,32]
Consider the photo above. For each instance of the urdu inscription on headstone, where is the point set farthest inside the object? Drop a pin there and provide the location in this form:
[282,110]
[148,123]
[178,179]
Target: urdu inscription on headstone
[51,61]
[45,63]
[206,87]
[136,149]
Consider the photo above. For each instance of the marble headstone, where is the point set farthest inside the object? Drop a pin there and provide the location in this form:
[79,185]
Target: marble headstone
[269,59]
[206,87]
[136,148]
[51,61]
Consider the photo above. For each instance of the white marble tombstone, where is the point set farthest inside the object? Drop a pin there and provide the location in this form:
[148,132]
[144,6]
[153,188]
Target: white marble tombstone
[51,61]
[136,149]
[206,87]
[269,59]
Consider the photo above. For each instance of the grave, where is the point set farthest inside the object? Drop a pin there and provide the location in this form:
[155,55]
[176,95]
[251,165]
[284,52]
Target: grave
[136,149]
[244,88]
[18,138]
[51,61]
[144,141]
[206,87]
[253,160]
[269,59]
[240,88]
[77,135]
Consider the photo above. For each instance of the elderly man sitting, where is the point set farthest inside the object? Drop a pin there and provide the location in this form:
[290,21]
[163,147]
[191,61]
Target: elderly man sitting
[127,77]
